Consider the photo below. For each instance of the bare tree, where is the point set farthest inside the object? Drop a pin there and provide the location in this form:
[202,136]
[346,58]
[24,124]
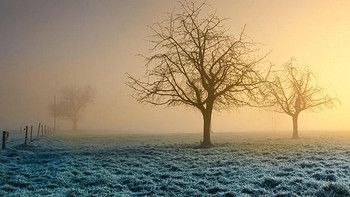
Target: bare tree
[195,62]
[72,100]
[294,90]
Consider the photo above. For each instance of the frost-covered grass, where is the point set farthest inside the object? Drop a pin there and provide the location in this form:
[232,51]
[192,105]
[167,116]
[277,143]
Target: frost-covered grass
[171,165]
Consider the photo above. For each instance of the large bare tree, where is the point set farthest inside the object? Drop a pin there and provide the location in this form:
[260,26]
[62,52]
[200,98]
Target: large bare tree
[195,62]
[294,89]
[72,100]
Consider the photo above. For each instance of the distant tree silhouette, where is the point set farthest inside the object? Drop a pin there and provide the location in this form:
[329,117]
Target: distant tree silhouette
[294,90]
[195,62]
[72,100]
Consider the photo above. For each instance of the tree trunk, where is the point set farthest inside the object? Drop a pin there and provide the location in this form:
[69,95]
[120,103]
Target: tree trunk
[206,127]
[295,126]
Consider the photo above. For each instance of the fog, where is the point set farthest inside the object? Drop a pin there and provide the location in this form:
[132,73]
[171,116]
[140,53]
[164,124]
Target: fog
[47,45]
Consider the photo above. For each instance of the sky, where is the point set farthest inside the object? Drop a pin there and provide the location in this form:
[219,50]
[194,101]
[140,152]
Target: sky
[47,45]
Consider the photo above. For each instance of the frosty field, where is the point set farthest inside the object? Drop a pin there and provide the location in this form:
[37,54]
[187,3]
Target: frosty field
[171,165]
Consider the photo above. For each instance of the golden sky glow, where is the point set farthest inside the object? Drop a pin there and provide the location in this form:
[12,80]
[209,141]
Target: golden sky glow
[45,45]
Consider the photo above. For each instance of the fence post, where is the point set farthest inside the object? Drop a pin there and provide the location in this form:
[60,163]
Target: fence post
[31,133]
[26,138]
[5,135]
[3,140]
[38,130]
[45,129]
[42,130]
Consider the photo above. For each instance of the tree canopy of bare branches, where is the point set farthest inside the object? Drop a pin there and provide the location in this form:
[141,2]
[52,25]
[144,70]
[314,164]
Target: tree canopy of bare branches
[294,90]
[195,62]
[72,100]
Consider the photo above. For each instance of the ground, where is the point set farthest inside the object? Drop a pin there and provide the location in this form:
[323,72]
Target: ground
[172,165]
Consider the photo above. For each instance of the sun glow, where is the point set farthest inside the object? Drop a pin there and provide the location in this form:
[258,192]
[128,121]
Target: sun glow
[106,43]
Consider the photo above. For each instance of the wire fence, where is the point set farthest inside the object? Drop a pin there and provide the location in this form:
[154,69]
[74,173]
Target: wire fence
[25,135]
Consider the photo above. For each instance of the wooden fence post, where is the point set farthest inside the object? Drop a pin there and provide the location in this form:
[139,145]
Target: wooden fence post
[5,135]
[26,137]
[38,130]
[45,129]
[3,140]
[42,130]
[31,133]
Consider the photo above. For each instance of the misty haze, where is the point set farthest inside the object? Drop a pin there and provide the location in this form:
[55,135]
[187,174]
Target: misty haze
[174,98]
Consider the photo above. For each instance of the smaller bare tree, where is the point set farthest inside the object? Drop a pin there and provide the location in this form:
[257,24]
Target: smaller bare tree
[72,100]
[293,90]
